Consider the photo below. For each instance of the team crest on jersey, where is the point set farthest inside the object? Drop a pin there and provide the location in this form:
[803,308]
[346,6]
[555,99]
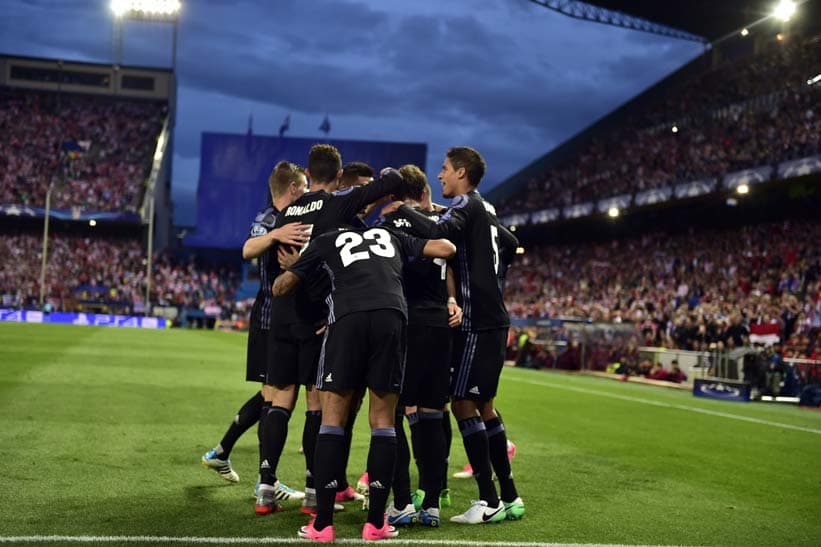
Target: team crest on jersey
[402,223]
[258,230]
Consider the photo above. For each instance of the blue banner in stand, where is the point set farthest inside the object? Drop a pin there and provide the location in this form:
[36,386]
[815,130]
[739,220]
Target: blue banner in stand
[93,319]
[725,390]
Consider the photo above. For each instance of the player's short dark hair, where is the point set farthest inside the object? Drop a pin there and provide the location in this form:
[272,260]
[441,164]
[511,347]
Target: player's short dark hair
[471,160]
[283,174]
[324,162]
[351,173]
[415,181]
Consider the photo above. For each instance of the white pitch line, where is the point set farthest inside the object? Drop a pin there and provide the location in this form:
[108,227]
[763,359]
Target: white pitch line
[668,405]
[283,541]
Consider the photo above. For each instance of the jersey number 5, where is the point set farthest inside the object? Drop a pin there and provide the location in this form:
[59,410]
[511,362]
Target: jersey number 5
[350,240]
[494,242]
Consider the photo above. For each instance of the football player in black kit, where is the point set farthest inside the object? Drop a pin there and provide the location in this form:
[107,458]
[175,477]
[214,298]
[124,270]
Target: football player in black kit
[364,346]
[297,319]
[287,183]
[479,346]
[432,312]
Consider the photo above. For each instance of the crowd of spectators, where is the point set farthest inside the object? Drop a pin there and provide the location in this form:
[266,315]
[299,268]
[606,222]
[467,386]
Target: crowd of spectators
[112,142]
[719,129]
[108,273]
[699,290]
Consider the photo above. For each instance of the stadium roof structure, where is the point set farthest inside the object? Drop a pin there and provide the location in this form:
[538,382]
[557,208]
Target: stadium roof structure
[708,20]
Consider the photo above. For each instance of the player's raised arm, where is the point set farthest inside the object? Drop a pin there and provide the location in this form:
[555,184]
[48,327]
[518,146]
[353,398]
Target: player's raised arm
[354,199]
[450,226]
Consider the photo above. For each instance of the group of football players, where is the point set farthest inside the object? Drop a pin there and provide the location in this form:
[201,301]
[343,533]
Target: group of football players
[366,287]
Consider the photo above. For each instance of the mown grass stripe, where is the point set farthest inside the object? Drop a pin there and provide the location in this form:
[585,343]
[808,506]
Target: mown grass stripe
[601,393]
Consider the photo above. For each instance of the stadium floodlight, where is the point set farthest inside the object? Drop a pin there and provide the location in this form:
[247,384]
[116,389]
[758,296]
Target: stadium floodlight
[163,10]
[613,212]
[675,128]
[119,7]
[743,189]
[92,222]
[520,250]
[784,10]
[744,32]
[512,227]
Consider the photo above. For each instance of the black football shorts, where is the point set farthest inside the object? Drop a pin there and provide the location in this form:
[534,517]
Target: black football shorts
[294,354]
[256,360]
[478,358]
[427,367]
[364,349]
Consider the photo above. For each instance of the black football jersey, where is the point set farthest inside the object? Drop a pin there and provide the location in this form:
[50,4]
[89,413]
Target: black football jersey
[364,266]
[324,211]
[426,287]
[471,224]
[261,312]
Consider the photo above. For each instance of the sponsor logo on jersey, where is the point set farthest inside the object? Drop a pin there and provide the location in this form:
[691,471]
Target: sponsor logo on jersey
[474,390]
[402,223]
[329,377]
[296,210]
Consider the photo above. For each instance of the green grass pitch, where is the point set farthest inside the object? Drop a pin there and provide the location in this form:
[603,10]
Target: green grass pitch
[101,431]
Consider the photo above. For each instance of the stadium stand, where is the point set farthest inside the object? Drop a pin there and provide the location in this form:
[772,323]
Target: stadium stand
[682,291]
[107,274]
[101,146]
[738,114]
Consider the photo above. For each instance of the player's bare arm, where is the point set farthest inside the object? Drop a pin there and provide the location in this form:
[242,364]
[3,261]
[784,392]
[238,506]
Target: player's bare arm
[285,283]
[439,248]
[294,233]
[454,311]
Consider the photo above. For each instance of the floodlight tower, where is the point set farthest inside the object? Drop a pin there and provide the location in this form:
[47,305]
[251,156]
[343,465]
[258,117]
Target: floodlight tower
[155,11]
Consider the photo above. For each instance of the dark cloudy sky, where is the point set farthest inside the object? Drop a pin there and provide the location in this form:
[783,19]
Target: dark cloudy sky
[508,77]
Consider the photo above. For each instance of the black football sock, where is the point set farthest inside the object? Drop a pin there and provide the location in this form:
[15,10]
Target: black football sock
[497,445]
[433,453]
[474,438]
[274,433]
[259,438]
[416,438]
[343,479]
[247,416]
[313,419]
[263,412]
[381,463]
[330,442]
[401,474]
[448,431]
